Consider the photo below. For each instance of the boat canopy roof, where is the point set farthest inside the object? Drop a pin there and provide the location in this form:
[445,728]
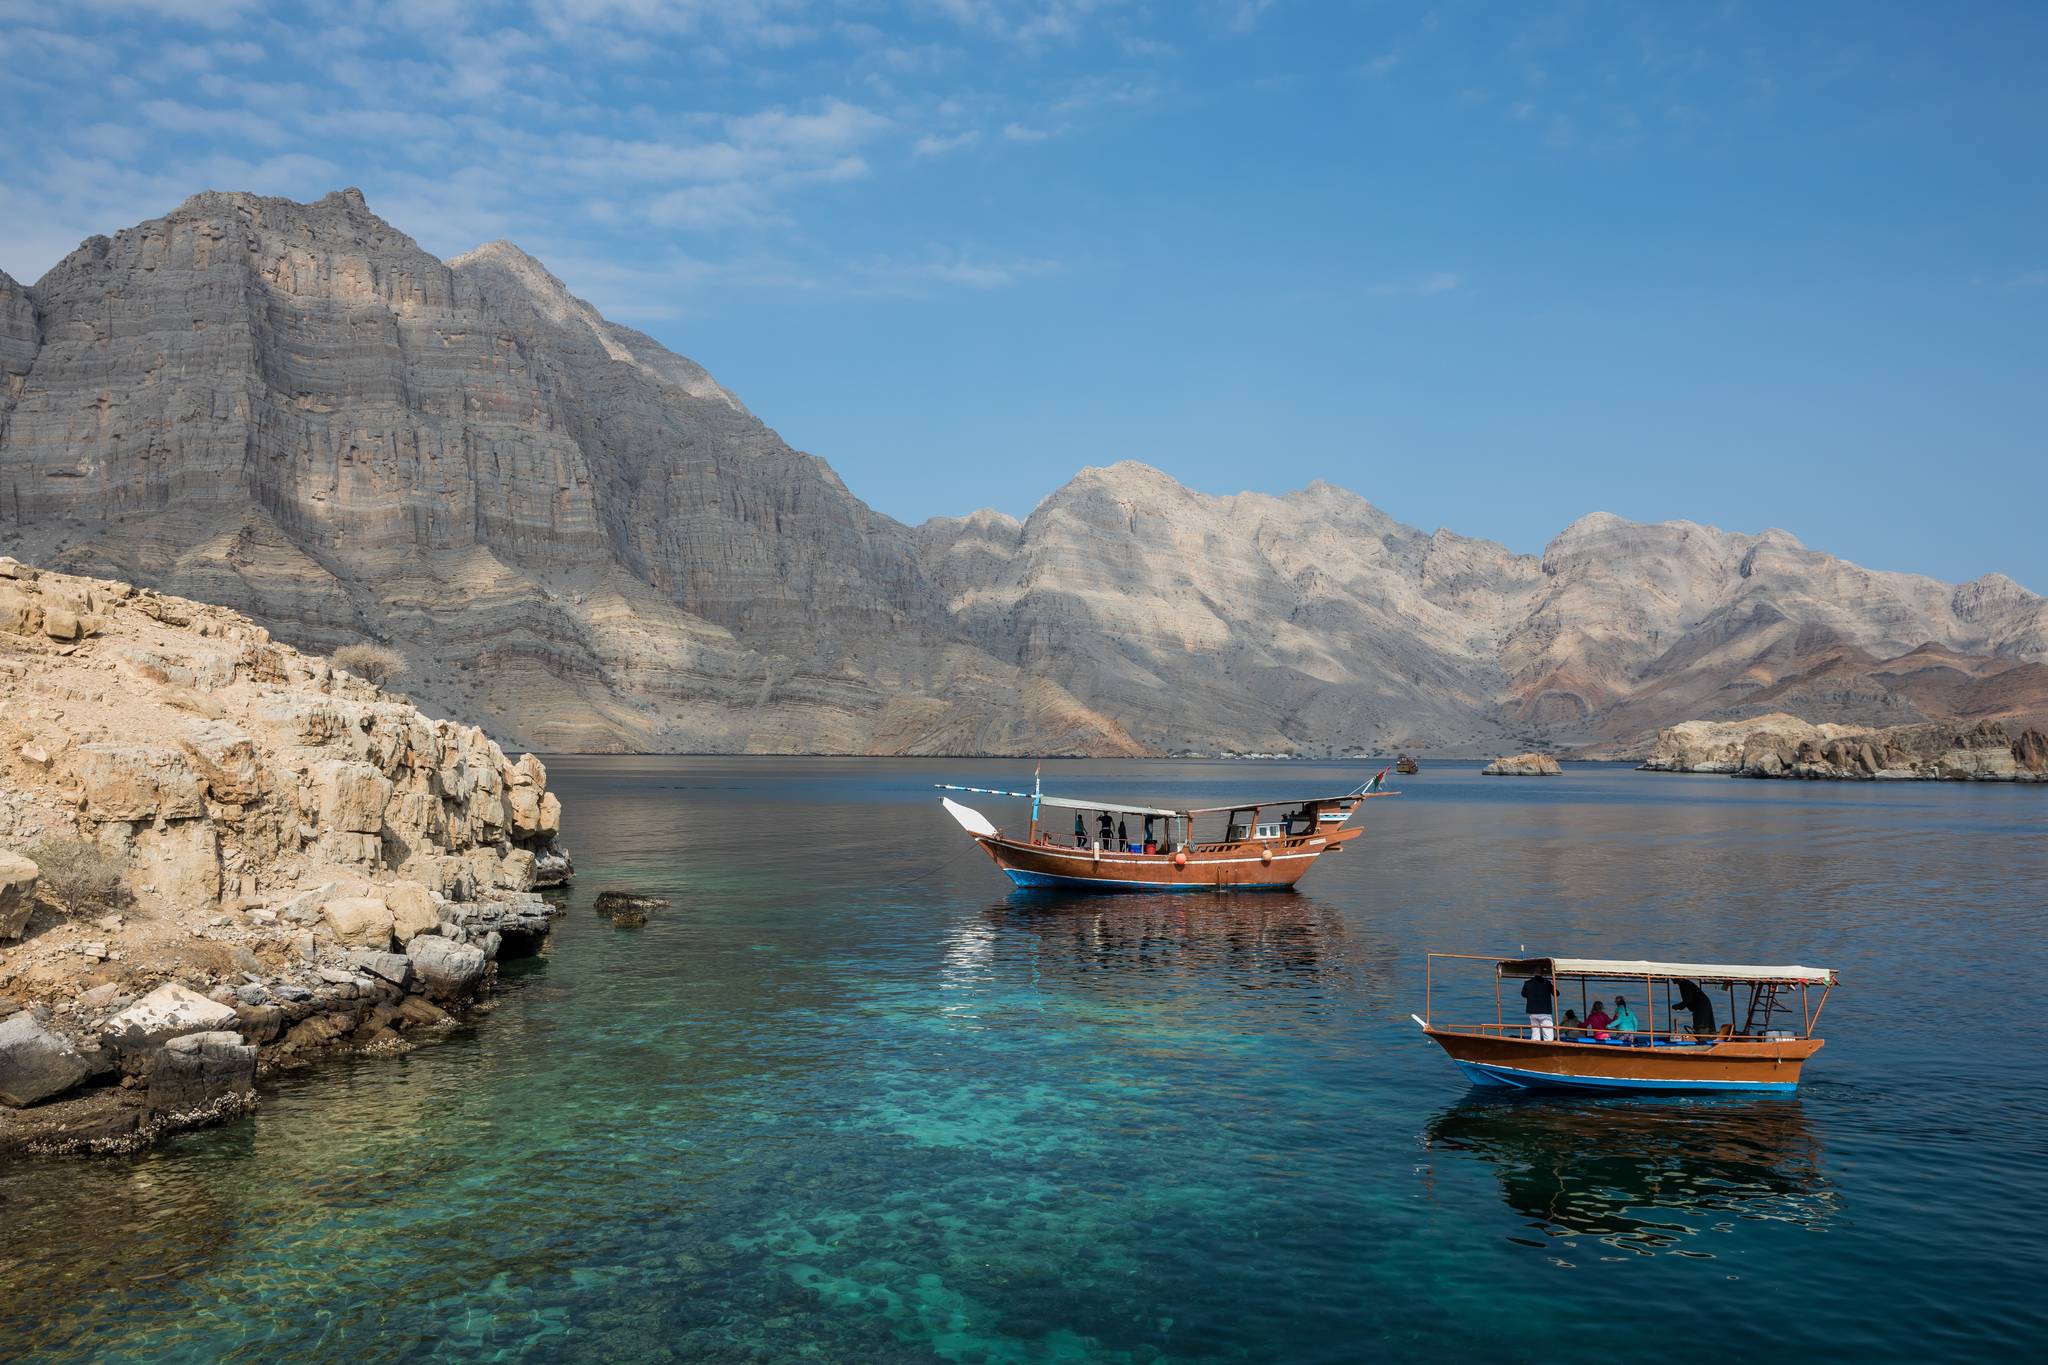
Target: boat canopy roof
[1126,808]
[1697,971]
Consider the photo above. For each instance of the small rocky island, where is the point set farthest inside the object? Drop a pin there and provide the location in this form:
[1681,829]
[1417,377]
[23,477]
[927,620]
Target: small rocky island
[1782,745]
[220,856]
[1523,765]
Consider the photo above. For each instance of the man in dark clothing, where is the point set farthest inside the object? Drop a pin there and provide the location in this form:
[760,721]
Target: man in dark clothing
[1537,1000]
[1696,1002]
[1123,833]
[1106,825]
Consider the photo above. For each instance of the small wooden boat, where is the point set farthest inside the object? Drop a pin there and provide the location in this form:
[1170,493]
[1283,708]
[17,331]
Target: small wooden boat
[1776,1036]
[1406,766]
[1260,845]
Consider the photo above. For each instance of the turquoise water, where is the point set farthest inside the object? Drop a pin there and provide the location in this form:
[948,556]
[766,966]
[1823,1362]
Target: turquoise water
[853,1099]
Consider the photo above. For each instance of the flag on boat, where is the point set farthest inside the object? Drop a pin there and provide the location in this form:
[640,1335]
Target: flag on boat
[1378,784]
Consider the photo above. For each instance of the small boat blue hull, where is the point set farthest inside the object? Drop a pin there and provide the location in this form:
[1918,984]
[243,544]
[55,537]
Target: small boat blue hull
[1517,1078]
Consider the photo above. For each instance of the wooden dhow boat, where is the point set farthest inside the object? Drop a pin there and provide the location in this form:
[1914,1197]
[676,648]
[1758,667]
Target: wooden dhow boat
[1778,1009]
[1260,845]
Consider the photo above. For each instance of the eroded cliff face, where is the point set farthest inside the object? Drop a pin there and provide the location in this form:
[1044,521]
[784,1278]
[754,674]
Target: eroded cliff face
[582,541]
[573,535]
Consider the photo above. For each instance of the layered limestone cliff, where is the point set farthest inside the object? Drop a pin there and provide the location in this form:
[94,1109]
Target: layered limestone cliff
[236,839]
[1785,746]
[582,541]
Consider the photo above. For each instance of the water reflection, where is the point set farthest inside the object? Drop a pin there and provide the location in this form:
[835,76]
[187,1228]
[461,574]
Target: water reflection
[1642,1175]
[1258,940]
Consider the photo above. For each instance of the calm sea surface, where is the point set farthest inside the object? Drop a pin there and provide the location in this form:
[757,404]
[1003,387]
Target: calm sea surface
[853,1099]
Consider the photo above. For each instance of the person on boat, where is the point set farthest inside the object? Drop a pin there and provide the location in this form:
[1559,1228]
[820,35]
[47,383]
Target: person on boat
[1624,1021]
[1538,1000]
[1699,1005]
[1598,1021]
[1105,825]
[1080,831]
[1123,834]
[1571,1030]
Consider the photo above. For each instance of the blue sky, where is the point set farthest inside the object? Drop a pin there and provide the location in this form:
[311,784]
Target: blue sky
[1492,265]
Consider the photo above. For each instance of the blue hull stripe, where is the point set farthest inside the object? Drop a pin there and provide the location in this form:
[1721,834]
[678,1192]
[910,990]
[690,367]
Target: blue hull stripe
[1487,1073]
[1048,880]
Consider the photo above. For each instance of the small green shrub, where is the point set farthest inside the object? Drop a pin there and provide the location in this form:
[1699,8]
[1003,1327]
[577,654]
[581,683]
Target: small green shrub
[374,664]
[78,877]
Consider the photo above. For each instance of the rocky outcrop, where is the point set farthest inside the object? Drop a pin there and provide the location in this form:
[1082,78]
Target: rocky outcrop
[36,1062]
[1784,746]
[17,893]
[288,844]
[1523,765]
[293,410]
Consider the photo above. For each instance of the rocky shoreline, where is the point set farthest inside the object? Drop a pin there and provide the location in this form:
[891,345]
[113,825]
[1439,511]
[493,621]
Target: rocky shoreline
[1785,746]
[220,857]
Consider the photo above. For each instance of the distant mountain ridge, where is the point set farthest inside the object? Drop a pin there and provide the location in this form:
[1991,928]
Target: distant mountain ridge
[582,541]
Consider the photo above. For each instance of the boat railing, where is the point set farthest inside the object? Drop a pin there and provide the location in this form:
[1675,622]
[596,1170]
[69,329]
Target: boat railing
[1623,1037]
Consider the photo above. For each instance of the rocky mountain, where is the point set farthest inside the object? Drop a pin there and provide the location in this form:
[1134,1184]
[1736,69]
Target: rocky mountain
[582,541]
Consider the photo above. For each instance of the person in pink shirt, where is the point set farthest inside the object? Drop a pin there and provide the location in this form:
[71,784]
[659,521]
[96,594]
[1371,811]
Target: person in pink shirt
[1598,1021]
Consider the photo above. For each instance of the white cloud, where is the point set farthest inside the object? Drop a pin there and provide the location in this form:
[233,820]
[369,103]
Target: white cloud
[205,13]
[1438,282]
[955,268]
[1019,132]
[178,117]
[1244,15]
[702,206]
[932,144]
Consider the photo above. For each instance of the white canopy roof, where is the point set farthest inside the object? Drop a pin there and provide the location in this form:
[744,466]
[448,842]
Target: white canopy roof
[1063,802]
[1698,971]
[1125,808]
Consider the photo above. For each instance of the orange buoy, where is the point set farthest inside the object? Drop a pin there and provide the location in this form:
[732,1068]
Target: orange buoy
[1180,859]
[1266,856]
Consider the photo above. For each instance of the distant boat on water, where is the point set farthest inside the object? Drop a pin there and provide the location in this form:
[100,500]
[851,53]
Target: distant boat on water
[1406,765]
[1263,845]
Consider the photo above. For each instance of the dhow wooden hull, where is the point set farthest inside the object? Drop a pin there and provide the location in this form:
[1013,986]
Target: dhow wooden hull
[1250,866]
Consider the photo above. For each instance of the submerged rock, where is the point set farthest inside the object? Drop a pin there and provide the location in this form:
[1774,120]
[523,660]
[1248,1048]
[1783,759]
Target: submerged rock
[612,902]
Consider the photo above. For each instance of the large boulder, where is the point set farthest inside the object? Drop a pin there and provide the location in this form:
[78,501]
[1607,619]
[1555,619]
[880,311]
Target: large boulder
[36,1063]
[395,968]
[199,1071]
[17,893]
[446,969]
[413,911]
[359,921]
[169,1011]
